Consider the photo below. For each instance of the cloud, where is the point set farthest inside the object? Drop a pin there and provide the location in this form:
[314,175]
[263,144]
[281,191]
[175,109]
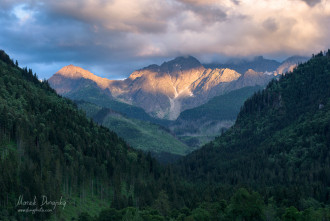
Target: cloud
[119,15]
[111,34]
[311,2]
[208,14]
[270,24]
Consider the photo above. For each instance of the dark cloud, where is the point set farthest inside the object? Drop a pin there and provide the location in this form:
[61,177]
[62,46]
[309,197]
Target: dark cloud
[236,2]
[206,10]
[312,2]
[196,15]
[8,4]
[114,15]
[270,24]
[209,14]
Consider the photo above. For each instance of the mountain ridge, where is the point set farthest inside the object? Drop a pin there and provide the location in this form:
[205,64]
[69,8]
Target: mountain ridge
[258,63]
[165,91]
[72,71]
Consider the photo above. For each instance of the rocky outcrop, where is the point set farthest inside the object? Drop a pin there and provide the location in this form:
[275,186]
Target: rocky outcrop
[252,78]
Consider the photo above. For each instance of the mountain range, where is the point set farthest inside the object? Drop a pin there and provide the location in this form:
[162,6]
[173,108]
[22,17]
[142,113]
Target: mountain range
[165,91]
[260,64]
[160,94]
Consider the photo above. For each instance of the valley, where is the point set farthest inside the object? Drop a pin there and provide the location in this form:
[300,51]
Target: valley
[194,103]
[142,135]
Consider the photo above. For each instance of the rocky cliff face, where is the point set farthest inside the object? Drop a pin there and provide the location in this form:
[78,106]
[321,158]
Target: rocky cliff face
[163,91]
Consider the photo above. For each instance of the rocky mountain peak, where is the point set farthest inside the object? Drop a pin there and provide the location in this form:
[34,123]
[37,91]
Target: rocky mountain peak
[75,72]
[72,71]
[182,63]
[229,75]
[152,67]
[251,73]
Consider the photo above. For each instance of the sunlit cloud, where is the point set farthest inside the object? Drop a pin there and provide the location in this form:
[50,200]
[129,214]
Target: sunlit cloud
[118,35]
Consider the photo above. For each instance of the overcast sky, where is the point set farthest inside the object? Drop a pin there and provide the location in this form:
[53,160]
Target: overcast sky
[112,38]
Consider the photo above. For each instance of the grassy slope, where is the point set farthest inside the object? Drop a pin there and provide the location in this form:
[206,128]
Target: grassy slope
[139,134]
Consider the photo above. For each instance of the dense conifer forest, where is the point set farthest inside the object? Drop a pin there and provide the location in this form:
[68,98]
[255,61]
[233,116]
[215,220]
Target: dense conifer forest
[273,164]
[49,147]
[280,143]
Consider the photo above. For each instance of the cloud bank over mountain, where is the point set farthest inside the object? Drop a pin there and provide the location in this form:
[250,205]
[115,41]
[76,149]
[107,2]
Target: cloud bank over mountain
[118,34]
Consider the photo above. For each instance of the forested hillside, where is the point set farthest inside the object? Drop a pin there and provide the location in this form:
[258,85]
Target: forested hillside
[202,124]
[139,134]
[223,107]
[89,92]
[50,148]
[280,143]
[279,146]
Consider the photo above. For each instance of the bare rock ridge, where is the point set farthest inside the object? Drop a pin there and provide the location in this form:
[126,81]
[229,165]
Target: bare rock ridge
[75,72]
[163,91]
